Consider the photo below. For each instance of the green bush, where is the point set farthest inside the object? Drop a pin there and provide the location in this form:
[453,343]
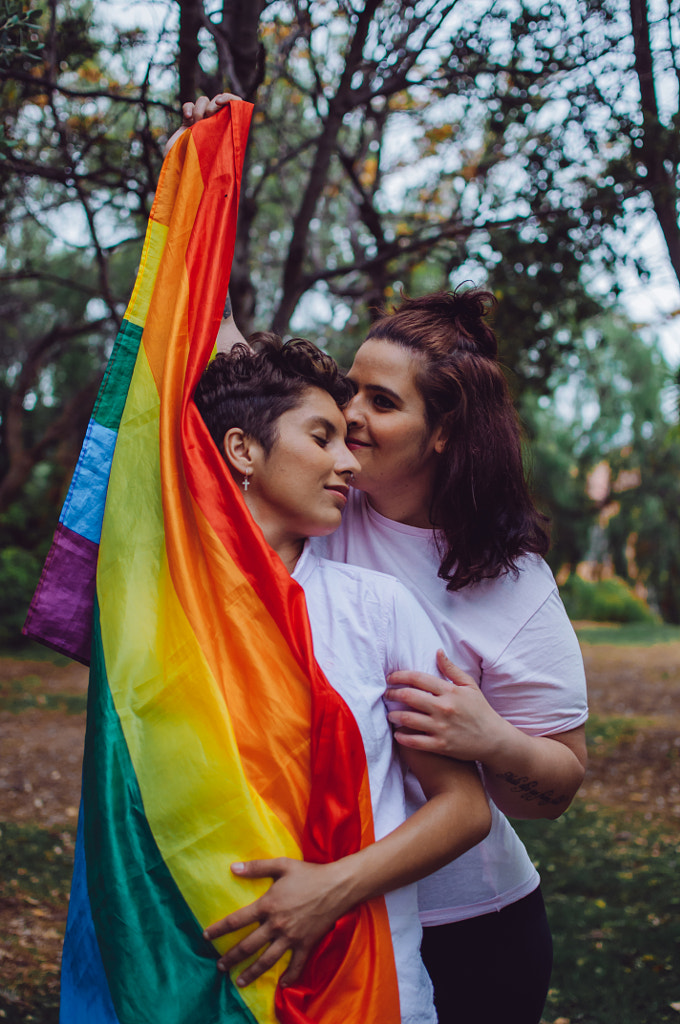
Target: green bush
[19,572]
[610,600]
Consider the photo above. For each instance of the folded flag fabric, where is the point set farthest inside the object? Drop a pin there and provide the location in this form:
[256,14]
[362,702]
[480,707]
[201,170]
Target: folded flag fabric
[212,734]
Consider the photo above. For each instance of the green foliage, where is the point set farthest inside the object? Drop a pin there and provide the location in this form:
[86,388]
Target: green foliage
[86,127]
[634,634]
[609,600]
[19,37]
[648,513]
[557,481]
[614,909]
[19,571]
[410,157]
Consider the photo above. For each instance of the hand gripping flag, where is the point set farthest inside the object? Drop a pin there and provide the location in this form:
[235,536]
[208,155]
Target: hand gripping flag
[212,734]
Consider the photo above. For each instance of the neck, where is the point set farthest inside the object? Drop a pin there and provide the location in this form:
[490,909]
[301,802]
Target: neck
[289,552]
[408,503]
[287,545]
[401,512]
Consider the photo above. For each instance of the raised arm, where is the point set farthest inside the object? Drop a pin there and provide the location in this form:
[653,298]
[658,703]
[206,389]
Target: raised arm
[192,112]
[305,899]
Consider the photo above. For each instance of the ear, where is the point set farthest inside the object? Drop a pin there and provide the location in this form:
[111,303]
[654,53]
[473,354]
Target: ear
[239,450]
[441,436]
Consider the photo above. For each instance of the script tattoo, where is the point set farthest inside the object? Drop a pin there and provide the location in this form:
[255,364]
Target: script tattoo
[529,789]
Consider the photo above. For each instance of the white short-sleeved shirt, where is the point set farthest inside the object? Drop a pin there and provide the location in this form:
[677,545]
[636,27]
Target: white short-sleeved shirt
[364,626]
[513,636]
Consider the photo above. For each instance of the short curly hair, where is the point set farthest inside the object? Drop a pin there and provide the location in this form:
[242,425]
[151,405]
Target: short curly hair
[251,387]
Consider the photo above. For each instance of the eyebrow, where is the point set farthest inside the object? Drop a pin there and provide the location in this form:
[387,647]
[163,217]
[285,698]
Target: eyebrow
[384,391]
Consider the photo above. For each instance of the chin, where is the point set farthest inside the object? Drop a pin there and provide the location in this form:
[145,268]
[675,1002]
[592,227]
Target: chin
[330,526]
[359,483]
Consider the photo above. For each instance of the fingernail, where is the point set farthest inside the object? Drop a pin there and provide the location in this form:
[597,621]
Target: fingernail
[240,982]
[221,967]
[206,936]
[236,868]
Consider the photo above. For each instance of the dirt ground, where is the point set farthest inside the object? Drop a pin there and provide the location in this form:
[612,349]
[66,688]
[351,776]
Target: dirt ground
[636,690]
[634,766]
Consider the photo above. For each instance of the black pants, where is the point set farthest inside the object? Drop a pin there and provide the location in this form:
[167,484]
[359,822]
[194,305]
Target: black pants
[493,969]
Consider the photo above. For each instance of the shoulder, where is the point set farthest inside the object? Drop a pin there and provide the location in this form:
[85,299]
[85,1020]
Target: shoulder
[371,595]
[360,579]
[516,595]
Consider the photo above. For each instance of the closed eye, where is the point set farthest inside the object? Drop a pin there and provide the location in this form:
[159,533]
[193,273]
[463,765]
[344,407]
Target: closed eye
[321,441]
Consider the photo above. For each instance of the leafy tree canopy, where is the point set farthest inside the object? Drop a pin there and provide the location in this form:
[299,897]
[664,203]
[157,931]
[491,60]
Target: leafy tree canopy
[400,146]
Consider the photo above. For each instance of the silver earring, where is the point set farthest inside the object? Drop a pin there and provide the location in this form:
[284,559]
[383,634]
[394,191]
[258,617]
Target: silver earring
[246,481]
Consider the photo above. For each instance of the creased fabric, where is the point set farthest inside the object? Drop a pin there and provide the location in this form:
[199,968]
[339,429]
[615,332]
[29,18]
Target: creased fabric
[212,734]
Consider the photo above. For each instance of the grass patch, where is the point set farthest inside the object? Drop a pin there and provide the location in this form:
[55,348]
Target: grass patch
[31,650]
[35,861]
[614,907]
[630,634]
[607,733]
[16,695]
[35,877]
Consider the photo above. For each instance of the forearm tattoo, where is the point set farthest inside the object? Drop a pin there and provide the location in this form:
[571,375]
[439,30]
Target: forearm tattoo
[528,788]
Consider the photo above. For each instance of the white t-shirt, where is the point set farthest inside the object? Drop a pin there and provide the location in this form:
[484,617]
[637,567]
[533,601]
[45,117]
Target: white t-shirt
[364,626]
[512,635]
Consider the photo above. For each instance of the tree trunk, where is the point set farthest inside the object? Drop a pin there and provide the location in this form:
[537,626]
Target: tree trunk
[655,148]
[190,21]
[293,279]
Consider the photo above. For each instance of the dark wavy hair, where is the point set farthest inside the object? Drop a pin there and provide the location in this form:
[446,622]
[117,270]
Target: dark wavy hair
[251,387]
[480,503]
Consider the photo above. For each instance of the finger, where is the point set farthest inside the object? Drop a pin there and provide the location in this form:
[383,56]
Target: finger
[418,741]
[413,721]
[223,98]
[187,114]
[452,672]
[263,963]
[200,106]
[241,918]
[260,868]
[419,700]
[295,967]
[258,939]
[419,681]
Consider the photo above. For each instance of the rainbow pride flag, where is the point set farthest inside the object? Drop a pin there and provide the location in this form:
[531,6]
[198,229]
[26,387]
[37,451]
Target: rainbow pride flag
[212,734]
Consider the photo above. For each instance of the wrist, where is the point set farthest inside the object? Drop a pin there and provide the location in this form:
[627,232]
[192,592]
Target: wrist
[505,746]
[348,885]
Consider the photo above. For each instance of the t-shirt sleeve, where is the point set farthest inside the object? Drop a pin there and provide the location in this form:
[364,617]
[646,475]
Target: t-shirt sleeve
[411,639]
[538,682]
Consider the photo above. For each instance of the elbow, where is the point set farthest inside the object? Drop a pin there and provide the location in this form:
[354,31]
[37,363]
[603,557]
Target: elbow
[565,803]
[480,822]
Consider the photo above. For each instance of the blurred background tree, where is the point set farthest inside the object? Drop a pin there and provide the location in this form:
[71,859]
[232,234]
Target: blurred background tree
[529,147]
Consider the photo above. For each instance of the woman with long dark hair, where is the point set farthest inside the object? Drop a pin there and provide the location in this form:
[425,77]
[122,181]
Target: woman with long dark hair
[441,501]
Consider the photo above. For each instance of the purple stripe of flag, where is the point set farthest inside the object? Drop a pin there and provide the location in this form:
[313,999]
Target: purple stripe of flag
[60,615]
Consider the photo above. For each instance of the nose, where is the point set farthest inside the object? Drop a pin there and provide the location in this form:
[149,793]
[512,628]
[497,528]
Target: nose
[346,463]
[353,411]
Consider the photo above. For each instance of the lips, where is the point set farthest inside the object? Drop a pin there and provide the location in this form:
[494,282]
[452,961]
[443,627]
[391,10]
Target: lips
[341,490]
[353,443]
